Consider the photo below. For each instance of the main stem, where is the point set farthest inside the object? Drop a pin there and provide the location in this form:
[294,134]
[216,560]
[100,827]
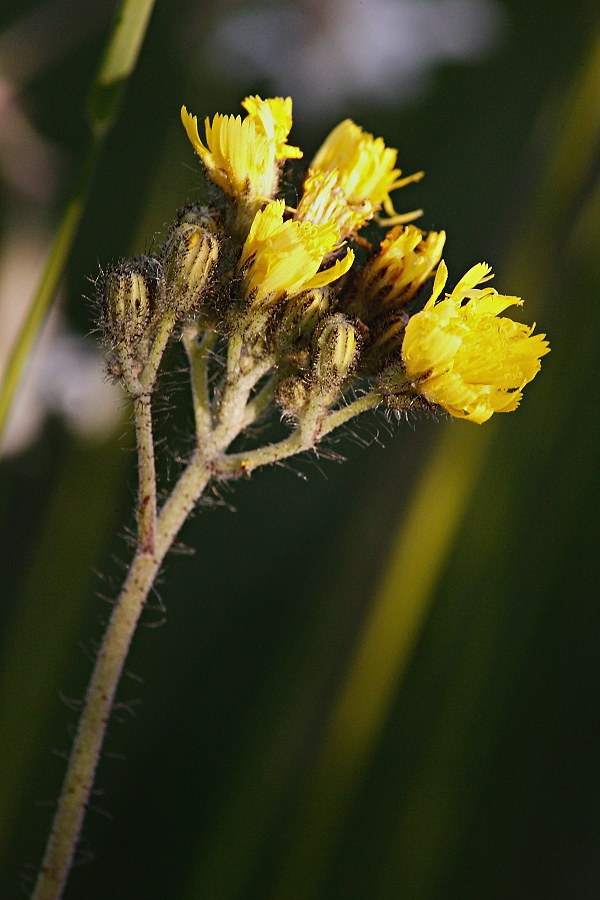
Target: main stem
[92,726]
[105,678]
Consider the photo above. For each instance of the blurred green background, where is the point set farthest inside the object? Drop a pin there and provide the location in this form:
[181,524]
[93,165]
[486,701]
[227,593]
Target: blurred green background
[381,678]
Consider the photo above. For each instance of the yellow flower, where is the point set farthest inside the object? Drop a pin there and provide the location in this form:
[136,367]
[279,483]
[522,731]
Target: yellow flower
[365,167]
[406,259]
[284,257]
[324,200]
[243,156]
[463,357]
[274,118]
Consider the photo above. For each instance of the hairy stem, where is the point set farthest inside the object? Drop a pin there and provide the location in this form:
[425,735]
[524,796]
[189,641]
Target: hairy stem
[146,506]
[167,324]
[262,400]
[232,410]
[155,536]
[311,428]
[198,354]
[345,413]
[105,678]
[90,733]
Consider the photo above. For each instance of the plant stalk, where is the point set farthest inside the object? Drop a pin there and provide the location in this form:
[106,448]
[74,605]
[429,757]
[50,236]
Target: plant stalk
[105,678]
[155,536]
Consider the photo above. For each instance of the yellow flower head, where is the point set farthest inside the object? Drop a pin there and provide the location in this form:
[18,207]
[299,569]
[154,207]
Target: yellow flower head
[463,357]
[274,118]
[365,166]
[284,257]
[406,259]
[324,200]
[243,156]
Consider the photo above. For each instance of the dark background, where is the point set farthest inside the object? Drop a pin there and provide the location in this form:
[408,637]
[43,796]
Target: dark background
[482,779]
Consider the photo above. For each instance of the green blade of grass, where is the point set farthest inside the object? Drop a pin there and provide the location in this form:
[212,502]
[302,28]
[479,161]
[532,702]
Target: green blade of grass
[384,648]
[118,64]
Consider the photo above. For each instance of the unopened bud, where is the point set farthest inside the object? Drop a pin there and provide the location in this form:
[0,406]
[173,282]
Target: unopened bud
[310,308]
[190,257]
[301,316]
[129,299]
[292,395]
[207,217]
[335,351]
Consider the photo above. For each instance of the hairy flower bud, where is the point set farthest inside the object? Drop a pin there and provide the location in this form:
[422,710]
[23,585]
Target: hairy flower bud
[335,351]
[129,299]
[190,256]
[301,316]
[292,395]
[207,217]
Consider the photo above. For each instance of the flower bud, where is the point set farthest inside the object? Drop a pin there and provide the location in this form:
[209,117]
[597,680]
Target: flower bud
[307,310]
[207,217]
[190,256]
[292,395]
[301,316]
[335,351]
[129,299]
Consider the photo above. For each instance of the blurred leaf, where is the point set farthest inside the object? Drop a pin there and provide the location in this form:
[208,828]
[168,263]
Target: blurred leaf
[383,651]
[40,640]
[121,56]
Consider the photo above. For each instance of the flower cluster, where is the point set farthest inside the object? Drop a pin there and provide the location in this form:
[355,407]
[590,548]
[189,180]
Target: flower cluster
[298,292]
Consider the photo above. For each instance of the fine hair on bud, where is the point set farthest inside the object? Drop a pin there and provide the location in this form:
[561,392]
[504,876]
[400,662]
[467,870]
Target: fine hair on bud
[302,315]
[189,258]
[130,295]
[207,217]
[335,351]
[293,394]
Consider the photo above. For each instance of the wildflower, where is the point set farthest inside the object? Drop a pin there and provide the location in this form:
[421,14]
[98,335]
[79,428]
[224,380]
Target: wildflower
[324,200]
[284,257]
[243,156]
[460,355]
[274,118]
[365,168]
[406,259]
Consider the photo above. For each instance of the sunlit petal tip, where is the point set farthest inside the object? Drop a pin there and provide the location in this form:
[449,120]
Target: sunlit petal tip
[477,274]
[273,118]
[441,277]
[190,123]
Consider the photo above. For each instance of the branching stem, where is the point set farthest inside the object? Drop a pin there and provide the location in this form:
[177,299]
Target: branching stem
[156,533]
